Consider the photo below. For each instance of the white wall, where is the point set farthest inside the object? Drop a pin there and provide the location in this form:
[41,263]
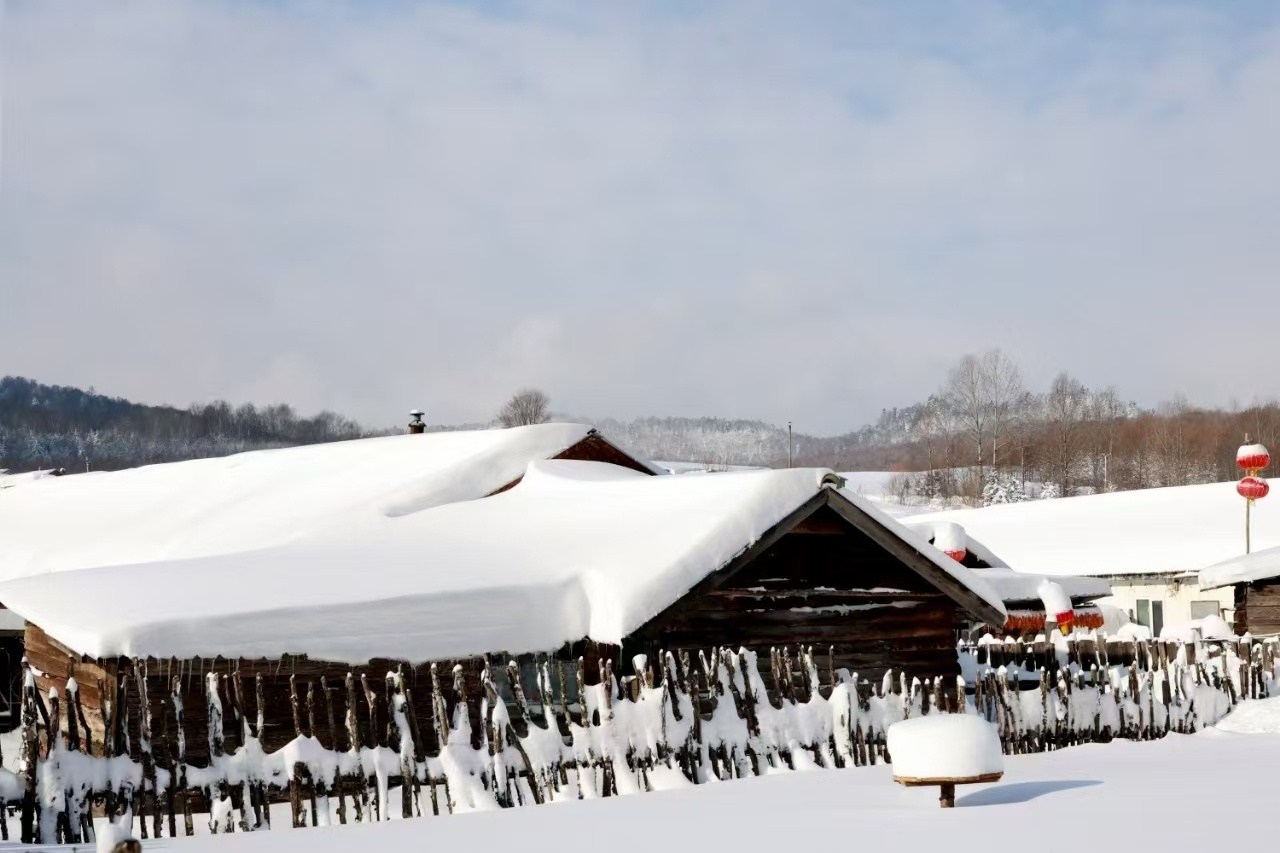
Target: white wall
[1176,593]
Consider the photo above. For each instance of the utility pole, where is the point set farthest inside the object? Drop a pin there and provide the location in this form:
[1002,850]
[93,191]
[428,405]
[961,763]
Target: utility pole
[788,444]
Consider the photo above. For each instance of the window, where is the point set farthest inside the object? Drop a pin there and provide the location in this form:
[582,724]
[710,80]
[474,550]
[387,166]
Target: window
[1151,614]
[1201,609]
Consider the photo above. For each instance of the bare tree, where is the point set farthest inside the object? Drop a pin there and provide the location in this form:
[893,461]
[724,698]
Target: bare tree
[1066,410]
[982,394]
[527,406]
[899,487]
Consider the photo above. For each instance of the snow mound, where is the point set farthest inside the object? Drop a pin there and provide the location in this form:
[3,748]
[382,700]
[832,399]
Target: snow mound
[944,746]
[1209,628]
[1254,717]
[1057,604]
[255,500]
[1133,631]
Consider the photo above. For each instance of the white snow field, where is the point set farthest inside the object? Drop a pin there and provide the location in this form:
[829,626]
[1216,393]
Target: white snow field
[1123,795]
[256,500]
[1179,529]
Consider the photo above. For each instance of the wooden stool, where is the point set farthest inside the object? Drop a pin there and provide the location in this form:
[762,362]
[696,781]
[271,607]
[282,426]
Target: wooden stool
[947,796]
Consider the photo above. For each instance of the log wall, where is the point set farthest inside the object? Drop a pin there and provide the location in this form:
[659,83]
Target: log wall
[1258,608]
[825,585]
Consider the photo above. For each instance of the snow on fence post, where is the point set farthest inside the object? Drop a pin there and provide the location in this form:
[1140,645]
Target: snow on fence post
[1065,706]
[339,788]
[30,754]
[181,770]
[144,750]
[360,800]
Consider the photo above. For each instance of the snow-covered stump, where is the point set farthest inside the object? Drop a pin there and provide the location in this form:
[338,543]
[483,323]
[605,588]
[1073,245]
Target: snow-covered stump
[945,750]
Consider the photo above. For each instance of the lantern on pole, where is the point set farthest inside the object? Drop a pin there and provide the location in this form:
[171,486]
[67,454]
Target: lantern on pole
[1251,458]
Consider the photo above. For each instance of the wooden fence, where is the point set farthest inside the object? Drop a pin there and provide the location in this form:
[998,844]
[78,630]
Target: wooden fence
[684,719]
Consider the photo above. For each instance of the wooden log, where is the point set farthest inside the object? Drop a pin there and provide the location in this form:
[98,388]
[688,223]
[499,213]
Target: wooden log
[296,705]
[360,799]
[440,717]
[213,705]
[30,755]
[180,770]
[311,709]
[144,749]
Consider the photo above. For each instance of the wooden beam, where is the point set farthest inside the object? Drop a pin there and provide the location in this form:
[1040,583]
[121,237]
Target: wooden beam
[913,559]
[744,558]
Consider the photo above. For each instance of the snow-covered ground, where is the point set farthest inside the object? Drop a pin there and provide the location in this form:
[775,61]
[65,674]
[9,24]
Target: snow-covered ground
[1102,795]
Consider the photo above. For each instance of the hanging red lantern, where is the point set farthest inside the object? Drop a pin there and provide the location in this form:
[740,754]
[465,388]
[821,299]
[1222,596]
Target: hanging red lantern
[958,556]
[1252,458]
[1253,488]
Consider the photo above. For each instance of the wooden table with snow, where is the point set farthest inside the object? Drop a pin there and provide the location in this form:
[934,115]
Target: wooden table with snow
[945,750]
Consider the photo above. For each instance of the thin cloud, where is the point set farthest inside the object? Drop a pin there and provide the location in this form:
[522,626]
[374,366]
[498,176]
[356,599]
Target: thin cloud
[730,209]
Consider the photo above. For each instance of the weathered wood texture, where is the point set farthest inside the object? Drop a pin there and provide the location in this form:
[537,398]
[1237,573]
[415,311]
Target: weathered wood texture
[823,584]
[54,664]
[1258,608]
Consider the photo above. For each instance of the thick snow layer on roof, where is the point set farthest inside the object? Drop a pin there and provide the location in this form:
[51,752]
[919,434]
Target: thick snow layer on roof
[1176,530]
[1017,586]
[256,500]
[1258,566]
[577,549]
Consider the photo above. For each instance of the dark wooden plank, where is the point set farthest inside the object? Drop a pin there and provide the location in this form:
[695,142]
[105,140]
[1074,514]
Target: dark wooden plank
[916,561]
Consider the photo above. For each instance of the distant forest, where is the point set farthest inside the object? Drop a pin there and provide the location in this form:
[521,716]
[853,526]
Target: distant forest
[51,427]
[982,434]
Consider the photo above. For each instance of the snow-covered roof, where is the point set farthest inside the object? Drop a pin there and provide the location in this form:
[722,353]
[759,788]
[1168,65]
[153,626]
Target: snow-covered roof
[1175,530]
[259,499]
[1014,586]
[949,535]
[1246,568]
[576,549]
[1010,585]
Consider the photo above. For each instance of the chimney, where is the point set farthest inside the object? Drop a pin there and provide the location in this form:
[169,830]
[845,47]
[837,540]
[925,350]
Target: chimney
[416,426]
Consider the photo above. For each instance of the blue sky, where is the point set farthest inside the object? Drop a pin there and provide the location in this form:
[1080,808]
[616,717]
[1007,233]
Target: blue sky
[794,211]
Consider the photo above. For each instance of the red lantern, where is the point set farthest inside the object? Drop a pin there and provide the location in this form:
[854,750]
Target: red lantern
[1065,619]
[1252,458]
[1253,488]
[958,556]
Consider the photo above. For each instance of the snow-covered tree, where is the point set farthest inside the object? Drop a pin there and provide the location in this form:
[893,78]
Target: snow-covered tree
[1049,491]
[1002,488]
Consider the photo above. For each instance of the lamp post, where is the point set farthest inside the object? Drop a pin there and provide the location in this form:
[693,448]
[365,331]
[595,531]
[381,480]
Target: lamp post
[1251,458]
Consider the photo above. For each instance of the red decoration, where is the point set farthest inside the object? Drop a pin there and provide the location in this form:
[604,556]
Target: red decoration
[1253,458]
[1027,621]
[1089,618]
[958,556]
[1253,488]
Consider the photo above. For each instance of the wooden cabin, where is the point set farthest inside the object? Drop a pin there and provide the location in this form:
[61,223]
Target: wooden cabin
[1254,580]
[203,507]
[585,561]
